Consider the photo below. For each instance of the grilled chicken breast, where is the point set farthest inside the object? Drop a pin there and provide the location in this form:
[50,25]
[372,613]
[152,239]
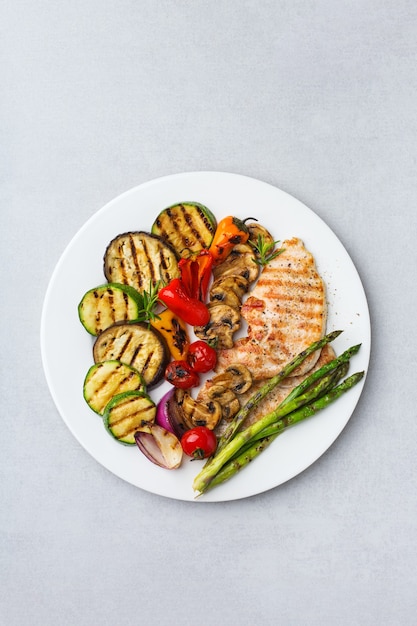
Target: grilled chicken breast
[285,312]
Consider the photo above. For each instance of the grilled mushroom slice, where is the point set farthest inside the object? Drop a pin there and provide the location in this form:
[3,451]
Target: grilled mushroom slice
[225,397]
[257,230]
[236,377]
[239,262]
[177,417]
[233,282]
[223,296]
[206,414]
[229,290]
[219,331]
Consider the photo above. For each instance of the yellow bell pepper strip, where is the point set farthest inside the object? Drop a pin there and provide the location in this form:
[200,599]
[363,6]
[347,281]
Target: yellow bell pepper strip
[196,273]
[230,232]
[175,333]
[192,311]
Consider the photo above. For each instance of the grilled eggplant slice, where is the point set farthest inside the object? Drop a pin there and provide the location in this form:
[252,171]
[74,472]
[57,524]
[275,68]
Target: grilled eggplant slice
[105,380]
[136,345]
[106,304]
[128,412]
[141,260]
[188,227]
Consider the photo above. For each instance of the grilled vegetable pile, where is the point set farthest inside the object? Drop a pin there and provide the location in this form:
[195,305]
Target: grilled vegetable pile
[139,343]
[172,299]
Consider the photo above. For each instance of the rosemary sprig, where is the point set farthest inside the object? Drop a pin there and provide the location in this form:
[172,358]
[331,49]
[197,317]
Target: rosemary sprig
[148,302]
[265,251]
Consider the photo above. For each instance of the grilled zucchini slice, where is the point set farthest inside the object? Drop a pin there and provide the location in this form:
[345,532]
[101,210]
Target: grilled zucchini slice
[187,227]
[141,260]
[137,345]
[128,412]
[107,379]
[106,304]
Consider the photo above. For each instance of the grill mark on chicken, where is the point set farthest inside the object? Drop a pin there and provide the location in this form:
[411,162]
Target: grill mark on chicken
[285,313]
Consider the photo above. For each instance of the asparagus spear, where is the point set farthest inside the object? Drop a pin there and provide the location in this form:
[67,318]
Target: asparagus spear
[273,382]
[327,382]
[287,406]
[331,366]
[244,458]
[240,461]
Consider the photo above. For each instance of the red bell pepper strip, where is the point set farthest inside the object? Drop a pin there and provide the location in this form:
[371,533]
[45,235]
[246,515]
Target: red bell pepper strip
[192,311]
[196,273]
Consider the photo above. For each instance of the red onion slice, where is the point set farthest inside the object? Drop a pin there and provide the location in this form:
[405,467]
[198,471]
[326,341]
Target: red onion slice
[176,415]
[160,446]
[162,415]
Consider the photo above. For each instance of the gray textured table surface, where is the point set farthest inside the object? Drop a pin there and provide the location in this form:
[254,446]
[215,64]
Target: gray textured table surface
[317,98]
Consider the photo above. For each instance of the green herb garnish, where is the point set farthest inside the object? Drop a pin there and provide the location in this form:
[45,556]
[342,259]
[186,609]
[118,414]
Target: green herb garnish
[148,302]
[265,251]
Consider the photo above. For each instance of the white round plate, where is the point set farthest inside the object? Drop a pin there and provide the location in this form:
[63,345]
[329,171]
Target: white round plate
[67,347]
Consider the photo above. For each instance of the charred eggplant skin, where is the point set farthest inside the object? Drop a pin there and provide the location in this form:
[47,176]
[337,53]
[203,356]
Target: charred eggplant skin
[140,259]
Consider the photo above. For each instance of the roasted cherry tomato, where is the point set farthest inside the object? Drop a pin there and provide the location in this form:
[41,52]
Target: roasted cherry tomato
[180,374]
[201,356]
[199,442]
